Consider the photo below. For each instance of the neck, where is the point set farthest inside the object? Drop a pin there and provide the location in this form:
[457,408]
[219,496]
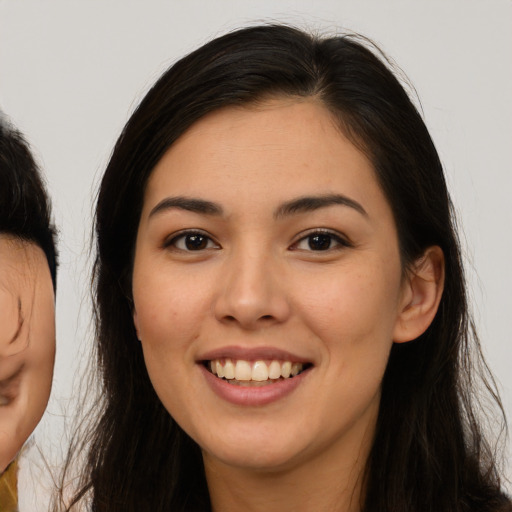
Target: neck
[330,482]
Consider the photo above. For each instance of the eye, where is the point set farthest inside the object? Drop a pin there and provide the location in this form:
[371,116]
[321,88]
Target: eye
[191,241]
[320,240]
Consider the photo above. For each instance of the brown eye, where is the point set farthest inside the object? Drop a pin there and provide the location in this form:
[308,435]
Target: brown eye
[195,242]
[192,241]
[321,241]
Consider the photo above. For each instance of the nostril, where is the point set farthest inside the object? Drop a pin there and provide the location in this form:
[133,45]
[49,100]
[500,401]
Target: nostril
[234,319]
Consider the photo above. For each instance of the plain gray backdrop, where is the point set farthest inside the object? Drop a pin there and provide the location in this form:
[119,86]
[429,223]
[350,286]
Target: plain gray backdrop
[72,71]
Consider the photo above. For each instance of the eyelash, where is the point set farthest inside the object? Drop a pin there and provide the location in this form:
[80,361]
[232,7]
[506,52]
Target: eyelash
[173,242]
[340,241]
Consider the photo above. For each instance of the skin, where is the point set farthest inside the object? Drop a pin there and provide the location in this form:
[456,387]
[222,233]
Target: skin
[27,342]
[258,283]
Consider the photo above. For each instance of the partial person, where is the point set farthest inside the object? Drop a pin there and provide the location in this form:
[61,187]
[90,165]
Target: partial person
[28,265]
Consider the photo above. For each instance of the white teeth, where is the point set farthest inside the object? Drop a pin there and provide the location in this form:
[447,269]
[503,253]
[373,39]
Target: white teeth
[219,370]
[286,369]
[258,371]
[243,370]
[295,369]
[229,369]
[274,370]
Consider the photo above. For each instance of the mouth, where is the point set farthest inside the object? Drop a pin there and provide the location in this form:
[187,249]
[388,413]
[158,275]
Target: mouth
[241,372]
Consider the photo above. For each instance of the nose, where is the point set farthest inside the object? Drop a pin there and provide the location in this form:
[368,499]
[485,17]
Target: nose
[252,295]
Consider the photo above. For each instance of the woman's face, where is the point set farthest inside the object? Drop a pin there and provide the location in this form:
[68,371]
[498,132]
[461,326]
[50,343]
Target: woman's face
[265,247]
[27,342]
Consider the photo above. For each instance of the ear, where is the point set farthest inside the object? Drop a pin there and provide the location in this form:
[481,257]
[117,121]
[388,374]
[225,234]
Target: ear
[421,293]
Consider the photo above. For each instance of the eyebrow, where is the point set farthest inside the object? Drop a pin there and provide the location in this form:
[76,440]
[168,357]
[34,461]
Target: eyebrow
[300,205]
[311,203]
[187,203]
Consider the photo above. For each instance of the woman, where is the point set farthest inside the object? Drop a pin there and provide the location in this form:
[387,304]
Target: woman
[27,310]
[281,308]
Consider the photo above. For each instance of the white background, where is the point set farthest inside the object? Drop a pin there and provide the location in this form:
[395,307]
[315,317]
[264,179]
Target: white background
[71,72]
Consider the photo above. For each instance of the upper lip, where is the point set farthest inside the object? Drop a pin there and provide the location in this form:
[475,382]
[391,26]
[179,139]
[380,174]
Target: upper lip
[252,354]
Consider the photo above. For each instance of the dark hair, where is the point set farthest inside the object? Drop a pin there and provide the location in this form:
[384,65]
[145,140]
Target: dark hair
[24,203]
[428,453]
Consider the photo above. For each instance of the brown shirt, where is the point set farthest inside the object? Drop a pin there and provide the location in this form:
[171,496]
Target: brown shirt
[9,489]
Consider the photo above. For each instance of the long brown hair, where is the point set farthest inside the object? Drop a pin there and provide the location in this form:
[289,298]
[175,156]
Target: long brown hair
[429,453]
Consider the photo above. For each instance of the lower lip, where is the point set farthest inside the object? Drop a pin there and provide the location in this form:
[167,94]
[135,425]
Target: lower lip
[253,395]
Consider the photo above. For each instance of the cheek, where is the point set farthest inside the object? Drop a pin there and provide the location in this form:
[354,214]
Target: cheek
[37,381]
[352,314]
[168,313]
[40,373]
[354,310]
[18,420]
[171,313]
[169,324]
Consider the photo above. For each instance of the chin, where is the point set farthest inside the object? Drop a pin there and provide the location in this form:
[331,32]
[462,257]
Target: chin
[271,454]
[6,457]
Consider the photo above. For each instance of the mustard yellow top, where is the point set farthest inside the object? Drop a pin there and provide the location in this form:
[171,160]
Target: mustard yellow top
[9,488]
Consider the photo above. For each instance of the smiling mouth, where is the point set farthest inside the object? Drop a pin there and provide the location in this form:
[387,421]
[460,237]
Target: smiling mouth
[241,372]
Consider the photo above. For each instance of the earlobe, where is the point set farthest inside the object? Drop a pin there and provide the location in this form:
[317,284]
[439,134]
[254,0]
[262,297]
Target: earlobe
[423,288]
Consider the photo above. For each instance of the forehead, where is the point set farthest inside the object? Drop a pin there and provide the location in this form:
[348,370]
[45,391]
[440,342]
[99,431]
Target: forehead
[20,260]
[261,148]
[22,266]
